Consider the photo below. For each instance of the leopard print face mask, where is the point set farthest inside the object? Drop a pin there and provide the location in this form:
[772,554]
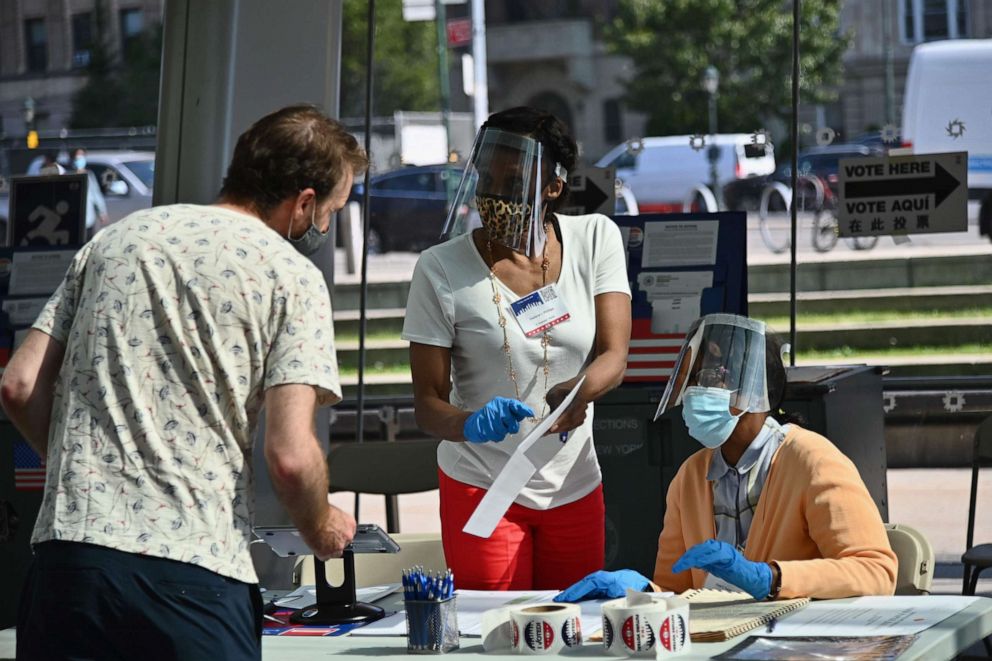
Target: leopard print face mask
[501,217]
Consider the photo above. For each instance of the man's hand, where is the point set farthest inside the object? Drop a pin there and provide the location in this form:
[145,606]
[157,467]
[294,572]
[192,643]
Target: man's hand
[727,563]
[336,532]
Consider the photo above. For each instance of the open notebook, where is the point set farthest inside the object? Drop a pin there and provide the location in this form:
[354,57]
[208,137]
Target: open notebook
[716,615]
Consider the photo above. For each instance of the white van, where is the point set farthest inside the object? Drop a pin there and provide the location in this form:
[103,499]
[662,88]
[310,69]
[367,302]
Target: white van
[948,94]
[663,172]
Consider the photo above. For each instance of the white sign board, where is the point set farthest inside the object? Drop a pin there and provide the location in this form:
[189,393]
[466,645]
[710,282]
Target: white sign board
[914,194]
[591,190]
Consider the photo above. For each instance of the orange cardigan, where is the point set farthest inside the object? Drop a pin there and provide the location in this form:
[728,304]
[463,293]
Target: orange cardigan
[814,518]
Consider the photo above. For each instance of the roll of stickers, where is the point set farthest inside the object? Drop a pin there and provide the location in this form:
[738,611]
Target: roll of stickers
[635,626]
[533,629]
[545,628]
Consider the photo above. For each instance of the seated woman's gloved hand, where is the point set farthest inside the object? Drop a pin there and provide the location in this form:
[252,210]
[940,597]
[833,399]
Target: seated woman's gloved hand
[604,585]
[727,563]
[499,417]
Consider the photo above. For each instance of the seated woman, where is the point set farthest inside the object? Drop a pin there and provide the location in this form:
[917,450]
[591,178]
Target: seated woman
[772,509]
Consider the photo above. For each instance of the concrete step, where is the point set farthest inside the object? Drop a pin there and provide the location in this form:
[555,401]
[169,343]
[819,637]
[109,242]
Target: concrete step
[890,334]
[378,320]
[386,294]
[898,299]
[384,352]
[923,271]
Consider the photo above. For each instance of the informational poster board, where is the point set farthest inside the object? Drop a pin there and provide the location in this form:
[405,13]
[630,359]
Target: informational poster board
[680,266]
[47,211]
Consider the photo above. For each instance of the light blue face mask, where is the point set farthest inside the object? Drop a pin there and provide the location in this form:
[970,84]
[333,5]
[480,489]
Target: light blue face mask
[311,240]
[706,412]
[79,162]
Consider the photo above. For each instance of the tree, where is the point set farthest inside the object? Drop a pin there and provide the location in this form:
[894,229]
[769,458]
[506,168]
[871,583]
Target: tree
[405,69]
[750,43]
[123,93]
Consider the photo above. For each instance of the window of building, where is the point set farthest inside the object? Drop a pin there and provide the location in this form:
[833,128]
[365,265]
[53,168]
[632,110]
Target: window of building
[82,39]
[612,122]
[929,20]
[132,23]
[36,44]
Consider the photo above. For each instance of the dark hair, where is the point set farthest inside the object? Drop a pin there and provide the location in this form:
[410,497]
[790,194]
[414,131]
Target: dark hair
[775,379]
[77,149]
[286,151]
[548,130]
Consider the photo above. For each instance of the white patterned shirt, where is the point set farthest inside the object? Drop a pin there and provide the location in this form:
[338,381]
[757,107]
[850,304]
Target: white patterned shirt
[175,322]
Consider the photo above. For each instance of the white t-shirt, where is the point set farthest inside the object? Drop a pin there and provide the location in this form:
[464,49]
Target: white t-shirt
[451,305]
[175,322]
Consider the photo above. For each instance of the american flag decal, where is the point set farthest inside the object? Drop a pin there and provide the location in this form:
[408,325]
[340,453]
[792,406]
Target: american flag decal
[651,358]
[29,469]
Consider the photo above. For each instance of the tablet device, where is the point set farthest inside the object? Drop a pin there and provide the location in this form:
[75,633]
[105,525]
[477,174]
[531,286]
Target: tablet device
[286,540]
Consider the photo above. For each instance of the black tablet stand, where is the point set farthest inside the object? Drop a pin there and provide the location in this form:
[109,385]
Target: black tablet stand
[336,605]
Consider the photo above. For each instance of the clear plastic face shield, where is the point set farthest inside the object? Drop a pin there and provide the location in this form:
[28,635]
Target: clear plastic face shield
[500,191]
[722,351]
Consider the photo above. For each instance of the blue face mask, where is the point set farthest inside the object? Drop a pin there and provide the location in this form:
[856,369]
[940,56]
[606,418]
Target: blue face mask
[706,412]
[312,239]
[79,162]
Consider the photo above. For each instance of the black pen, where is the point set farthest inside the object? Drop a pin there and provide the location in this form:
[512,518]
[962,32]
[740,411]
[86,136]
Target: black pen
[771,625]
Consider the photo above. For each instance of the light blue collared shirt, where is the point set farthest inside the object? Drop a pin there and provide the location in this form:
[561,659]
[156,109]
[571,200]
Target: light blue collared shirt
[736,489]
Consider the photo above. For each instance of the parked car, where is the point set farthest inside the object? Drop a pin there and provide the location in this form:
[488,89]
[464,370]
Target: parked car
[408,206]
[822,162]
[125,177]
[662,171]
[946,109]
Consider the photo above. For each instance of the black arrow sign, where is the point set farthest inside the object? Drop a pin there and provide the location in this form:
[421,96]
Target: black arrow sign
[589,199]
[941,184]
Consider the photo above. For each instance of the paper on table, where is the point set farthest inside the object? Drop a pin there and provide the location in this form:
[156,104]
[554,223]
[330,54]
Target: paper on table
[870,616]
[514,476]
[472,604]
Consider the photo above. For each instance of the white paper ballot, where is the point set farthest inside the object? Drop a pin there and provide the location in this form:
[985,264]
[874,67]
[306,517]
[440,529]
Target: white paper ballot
[514,476]
[870,616]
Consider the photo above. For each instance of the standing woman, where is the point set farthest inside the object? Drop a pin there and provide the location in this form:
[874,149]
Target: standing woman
[485,371]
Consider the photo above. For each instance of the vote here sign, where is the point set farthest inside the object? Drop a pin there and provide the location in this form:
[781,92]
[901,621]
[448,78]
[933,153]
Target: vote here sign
[913,194]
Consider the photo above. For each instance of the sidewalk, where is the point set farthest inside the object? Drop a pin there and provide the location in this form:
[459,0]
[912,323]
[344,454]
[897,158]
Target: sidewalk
[935,501]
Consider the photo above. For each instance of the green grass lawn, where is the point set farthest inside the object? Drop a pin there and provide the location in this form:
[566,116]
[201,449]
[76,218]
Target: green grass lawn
[845,352]
[781,324]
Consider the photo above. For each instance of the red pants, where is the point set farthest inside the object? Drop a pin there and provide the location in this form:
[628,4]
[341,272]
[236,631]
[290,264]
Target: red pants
[529,550]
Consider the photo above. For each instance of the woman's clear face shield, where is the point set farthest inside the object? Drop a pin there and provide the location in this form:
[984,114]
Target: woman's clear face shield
[722,351]
[501,191]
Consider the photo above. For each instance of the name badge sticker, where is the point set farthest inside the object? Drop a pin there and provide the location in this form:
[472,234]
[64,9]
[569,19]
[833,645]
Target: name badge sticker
[540,310]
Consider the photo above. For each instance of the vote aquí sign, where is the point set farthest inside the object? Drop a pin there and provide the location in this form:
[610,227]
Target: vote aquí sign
[912,194]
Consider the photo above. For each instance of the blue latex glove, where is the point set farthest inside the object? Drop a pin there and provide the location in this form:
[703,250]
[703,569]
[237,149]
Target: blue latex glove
[604,585]
[727,563]
[499,417]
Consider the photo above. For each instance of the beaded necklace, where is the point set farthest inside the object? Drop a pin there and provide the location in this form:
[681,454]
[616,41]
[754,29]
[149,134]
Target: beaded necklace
[545,339]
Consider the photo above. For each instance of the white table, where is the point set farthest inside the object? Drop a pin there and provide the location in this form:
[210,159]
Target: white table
[943,641]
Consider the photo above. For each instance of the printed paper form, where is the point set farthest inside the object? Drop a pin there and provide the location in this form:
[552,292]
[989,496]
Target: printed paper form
[686,243]
[870,616]
[38,272]
[472,604]
[514,476]
[23,311]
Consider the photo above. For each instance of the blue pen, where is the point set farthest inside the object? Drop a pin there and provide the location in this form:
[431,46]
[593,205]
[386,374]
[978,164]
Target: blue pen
[563,436]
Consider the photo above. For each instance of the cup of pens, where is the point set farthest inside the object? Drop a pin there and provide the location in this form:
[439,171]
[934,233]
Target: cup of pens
[431,617]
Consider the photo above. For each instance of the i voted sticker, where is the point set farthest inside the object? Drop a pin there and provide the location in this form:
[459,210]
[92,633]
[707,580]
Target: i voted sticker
[540,310]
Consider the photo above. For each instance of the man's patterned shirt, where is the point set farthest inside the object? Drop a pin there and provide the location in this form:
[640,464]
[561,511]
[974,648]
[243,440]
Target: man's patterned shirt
[175,322]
